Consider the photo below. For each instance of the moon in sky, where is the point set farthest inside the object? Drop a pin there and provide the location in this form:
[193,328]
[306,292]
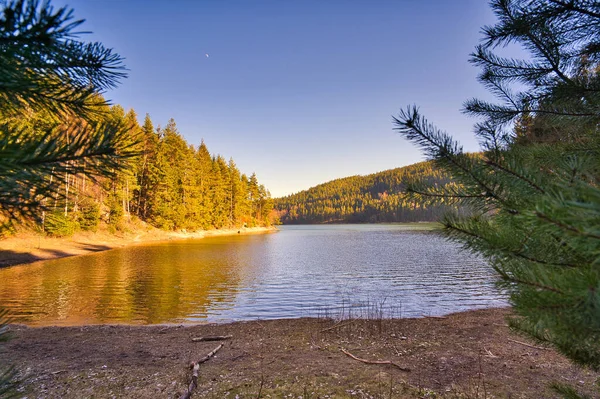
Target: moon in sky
[206,55]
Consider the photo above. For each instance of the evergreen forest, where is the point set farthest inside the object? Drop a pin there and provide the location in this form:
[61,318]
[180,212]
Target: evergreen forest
[163,181]
[375,198]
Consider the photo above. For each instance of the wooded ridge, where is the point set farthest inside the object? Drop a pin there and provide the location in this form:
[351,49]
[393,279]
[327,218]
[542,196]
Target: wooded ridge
[378,197]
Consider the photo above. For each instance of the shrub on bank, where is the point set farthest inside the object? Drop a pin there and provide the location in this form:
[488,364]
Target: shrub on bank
[89,215]
[59,225]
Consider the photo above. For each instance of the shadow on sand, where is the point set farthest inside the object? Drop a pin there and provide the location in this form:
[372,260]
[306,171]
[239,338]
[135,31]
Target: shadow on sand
[12,258]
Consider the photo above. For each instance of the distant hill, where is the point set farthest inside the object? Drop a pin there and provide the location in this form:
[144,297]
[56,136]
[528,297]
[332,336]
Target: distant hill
[375,198]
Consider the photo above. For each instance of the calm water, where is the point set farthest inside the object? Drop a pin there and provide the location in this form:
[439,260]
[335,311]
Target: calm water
[300,271]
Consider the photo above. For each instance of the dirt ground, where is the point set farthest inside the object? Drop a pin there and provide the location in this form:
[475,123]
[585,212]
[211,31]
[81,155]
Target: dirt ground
[28,247]
[466,355]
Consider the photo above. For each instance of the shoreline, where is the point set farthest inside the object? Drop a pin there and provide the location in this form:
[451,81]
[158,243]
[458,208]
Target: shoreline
[455,356]
[29,247]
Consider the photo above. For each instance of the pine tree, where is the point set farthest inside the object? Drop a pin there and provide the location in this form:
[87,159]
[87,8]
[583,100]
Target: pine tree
[254,197]
[535,204]
[203,182]
[173,154]
[147,173]
[236,194]
[47,70]
[220,196]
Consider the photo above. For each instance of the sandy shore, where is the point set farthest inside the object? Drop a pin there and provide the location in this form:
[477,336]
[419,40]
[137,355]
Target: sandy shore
[28,247]
[470,355]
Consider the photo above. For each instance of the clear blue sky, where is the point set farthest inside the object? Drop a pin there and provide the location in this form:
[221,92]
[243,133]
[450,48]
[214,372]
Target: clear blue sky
[300,92]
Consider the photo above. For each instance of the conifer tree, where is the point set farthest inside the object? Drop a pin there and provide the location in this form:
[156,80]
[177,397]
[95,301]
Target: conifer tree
[172,155]
[146,172]
[46,68]
[219,191]
[535,204]
[203,177]
[236,194]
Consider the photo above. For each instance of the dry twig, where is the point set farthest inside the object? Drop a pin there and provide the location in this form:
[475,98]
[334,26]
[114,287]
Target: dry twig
[526,344]
[337,325]
[375,361]
[489,354]
[196,367]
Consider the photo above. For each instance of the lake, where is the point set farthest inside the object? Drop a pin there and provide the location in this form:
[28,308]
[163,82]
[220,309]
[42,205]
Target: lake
[317,270]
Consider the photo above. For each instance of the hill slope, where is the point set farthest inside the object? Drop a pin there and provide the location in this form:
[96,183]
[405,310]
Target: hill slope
[378,197]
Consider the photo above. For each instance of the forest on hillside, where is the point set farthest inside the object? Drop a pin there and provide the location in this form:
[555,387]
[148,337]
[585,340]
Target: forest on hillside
[168,183]
[375,198]
[70,160]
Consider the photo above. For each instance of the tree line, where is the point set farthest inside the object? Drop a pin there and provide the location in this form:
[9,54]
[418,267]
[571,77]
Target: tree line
[168,183]
[375,198]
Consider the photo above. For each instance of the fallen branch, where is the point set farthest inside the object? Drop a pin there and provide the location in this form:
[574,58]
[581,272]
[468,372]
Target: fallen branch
[337,325]
[375,361]
[195,369]
[434,317]
[212,338]
[489,354]
[526,344]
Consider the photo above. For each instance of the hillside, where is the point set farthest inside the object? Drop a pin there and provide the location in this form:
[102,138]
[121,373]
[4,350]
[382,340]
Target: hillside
[378,197]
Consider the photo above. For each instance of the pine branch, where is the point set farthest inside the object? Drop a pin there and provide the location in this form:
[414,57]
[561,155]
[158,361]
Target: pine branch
[500,250]
[437,145]
[496,165]
[565,226]
[571,6]
[42,65]
[445,195]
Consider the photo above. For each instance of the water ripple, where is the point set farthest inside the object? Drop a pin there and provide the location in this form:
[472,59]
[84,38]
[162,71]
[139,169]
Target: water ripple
[333,271]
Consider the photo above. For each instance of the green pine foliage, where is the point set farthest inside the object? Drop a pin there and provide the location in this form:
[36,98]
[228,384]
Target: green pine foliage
[58,224]
[534,192]
[53,122]
[89,215]
[376,198]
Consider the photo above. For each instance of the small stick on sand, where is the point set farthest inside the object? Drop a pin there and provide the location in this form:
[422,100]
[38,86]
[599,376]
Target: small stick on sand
[337,325]
[489,354]
[375,361]
[526,344]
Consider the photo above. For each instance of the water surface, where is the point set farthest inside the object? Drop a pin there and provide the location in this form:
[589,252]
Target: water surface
[334,270]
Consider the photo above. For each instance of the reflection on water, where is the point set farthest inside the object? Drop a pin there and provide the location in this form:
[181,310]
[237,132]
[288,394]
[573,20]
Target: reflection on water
[300,271]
